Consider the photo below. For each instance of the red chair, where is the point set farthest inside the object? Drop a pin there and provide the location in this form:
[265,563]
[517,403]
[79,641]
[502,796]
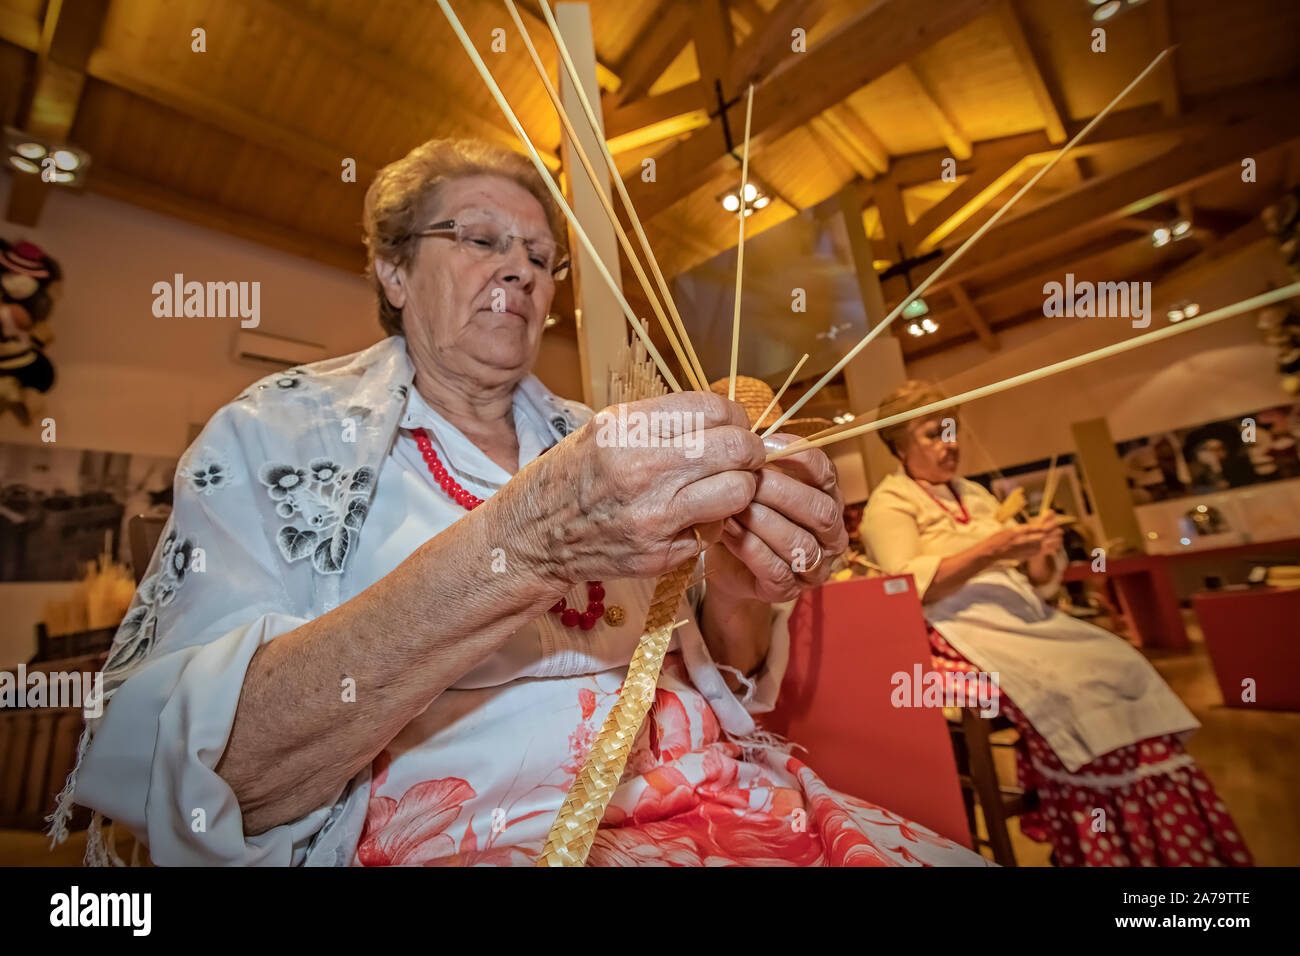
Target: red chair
[1254,635]
[847,640]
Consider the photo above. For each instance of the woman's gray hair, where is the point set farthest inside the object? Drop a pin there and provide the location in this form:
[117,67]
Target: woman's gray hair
[911,394]
[406,189]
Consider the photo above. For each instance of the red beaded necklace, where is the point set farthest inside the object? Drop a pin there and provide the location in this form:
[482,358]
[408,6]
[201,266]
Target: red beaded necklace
[963,518]
[569,616]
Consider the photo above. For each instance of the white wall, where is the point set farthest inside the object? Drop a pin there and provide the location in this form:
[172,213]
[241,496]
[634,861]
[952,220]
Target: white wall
[128,381]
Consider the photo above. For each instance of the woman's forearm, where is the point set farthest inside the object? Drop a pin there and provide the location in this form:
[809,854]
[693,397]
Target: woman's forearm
[301,730]
[956,569]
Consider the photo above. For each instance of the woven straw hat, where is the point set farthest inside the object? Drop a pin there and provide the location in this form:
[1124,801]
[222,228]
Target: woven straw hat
[754,395]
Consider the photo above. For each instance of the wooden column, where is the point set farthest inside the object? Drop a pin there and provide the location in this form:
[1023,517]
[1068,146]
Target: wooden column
[878,369]
[602,328]
[1104,473]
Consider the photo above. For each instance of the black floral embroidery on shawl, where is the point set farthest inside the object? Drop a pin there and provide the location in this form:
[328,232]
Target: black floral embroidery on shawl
[331,503]
[136,634]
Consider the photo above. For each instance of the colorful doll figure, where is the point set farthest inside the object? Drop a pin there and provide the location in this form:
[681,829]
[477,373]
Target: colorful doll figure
[28,284]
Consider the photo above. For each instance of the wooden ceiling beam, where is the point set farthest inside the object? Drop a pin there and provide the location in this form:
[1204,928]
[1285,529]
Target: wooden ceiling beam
[1134,190]
[1048,104]
[978,189]
[652,119]
[656,45]
[769,43]
[606,75]
[1170,98]
[218,112]
[423,93]
[69,33]
[750,12]
[830,140]
[714,44]
[958,143]
[871,44]
[974,318]
[861,136]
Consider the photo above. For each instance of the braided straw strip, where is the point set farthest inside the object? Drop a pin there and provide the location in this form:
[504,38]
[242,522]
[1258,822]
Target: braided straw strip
[570,838]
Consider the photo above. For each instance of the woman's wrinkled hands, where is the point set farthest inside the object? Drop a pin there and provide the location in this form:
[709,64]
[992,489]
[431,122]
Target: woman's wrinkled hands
[620,497]
[786,538]
[1038,538]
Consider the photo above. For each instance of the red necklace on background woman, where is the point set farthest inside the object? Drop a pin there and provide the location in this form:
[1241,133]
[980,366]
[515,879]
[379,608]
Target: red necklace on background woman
[963,517]
[569,616]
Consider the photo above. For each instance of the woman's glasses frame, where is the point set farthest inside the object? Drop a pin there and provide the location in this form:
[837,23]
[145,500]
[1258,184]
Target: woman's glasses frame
[505,241]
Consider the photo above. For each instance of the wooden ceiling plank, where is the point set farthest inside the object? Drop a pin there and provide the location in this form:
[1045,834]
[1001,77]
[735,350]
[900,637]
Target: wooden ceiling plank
[1048,104]
[888,199]
[769,44]
[975,192]
[830,140]
[1136,189]
[1131,125]
[217,112]
[958,143]
[651,119]
[416,88]
[862,136]
[868,46]
[606,75]
[972,316]
[21,31]
[714,44]
[833,121]
[750,12]
[664,36]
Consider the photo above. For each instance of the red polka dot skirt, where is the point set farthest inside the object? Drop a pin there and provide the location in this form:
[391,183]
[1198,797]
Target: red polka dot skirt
[1147,804]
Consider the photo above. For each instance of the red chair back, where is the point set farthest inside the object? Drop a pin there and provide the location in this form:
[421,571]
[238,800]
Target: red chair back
[847,641]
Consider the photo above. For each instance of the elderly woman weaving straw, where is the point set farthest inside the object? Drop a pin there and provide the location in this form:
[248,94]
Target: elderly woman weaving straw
[1099,729]
[423,580]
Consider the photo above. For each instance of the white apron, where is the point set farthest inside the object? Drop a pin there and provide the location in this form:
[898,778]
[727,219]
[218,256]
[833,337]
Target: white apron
[1085,690]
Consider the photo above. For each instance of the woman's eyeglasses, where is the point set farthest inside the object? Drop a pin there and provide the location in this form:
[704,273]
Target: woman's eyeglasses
[484,240]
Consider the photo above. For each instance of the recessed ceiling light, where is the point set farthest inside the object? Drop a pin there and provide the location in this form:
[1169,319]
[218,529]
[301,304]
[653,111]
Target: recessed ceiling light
[60,176]
[929,325]
[1191,310]
[66,159]
[1176,315]
[751,191]
[1106,10]
[26,165]
[731,202]
[915,309]
[914,329]
[30,150]
[1160,237]
[550,320]
[761,201]
[1181,227]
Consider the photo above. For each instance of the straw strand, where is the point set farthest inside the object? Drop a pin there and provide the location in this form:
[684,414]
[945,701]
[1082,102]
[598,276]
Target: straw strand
[962,249]
[545,173]
[1033,375]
